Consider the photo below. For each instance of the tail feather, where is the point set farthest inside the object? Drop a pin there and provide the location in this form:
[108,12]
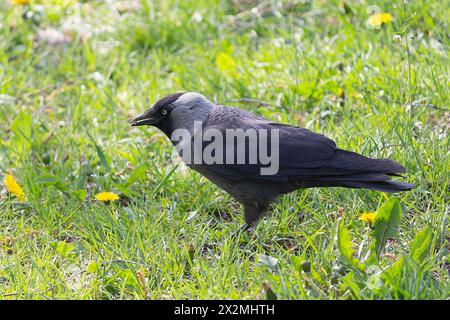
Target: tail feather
[385,186]
[351,161]
[353,170]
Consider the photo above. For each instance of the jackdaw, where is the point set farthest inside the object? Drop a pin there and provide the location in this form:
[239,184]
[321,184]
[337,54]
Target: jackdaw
[304,159]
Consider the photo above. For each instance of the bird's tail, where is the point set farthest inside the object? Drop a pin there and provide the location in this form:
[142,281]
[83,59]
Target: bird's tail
[385,186]
[353,170]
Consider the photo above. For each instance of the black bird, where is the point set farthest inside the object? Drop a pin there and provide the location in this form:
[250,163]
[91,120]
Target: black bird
[305,159]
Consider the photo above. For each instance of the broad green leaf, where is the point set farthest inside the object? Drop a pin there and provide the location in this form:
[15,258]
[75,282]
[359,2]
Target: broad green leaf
[85,171]
[387,219]
[137,174]
[351,282]
[21,125]
[128,278]
[52,180]
[126,191]
[297,262]
[395,269]
[100,154]
[64,249]
[80,194]
[374,282]
[21,128]
[420,246]
[102,157]
[300,264]
[345,245]
[268,261]
[92,267]
[89,56]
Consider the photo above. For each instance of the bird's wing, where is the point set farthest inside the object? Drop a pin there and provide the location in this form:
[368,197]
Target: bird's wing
[302,153]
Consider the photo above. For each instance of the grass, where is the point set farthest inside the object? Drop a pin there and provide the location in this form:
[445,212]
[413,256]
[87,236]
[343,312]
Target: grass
[66,98]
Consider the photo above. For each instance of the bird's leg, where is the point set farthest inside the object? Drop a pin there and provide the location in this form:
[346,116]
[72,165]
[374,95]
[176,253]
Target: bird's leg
[252,212]
[244,227]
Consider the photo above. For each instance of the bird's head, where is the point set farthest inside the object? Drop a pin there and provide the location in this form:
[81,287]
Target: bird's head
[178,110]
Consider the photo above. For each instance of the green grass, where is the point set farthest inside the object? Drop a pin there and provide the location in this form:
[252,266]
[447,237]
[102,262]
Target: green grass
[65,136]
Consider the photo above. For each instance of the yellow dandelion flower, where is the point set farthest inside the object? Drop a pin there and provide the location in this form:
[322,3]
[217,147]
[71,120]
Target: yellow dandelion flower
[13,187]
[378,19]
[368,217]
[106,196]
[20,2]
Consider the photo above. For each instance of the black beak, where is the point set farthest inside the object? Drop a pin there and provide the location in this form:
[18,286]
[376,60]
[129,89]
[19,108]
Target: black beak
[146,118]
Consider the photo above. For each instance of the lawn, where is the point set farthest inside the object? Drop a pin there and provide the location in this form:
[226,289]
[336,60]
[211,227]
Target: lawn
[73,73]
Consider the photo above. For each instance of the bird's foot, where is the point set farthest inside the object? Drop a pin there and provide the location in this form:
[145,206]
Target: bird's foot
[245,229]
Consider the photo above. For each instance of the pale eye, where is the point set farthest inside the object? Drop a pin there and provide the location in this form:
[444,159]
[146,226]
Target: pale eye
[164,112]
